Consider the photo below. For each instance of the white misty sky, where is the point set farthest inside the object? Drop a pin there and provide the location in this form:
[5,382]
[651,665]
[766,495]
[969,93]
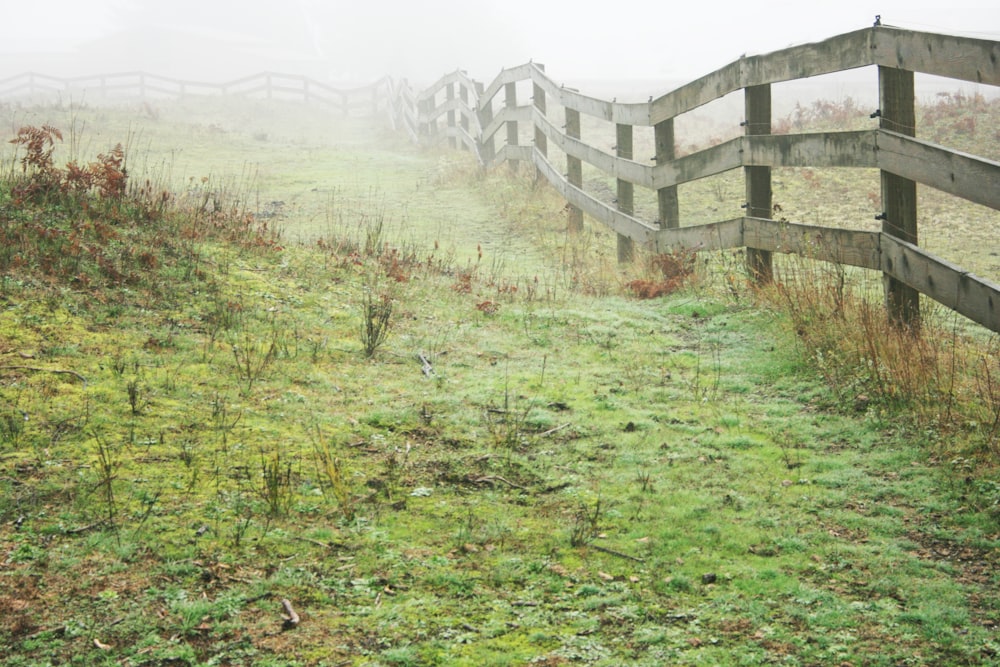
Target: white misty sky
[423,39]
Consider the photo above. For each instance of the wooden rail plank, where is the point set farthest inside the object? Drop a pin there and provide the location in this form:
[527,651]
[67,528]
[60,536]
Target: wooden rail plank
[610,164]
[843,246]
[948,284]
[836,54]
[511,75]
[521,113]
[821,149]
[491,123]
[699,92]
[619,222]
[825,149]
[707,162]
[713,236]
[613,112]
[952,56]
[968,176]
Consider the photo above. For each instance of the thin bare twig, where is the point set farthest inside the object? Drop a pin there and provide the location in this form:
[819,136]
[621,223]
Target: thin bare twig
[427,368]
[36,369]
[325,545]
[83,529]
[490,478]
[618,553]
[553,430]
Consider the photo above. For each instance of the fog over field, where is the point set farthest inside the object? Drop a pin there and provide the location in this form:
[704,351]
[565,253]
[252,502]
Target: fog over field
[356,42]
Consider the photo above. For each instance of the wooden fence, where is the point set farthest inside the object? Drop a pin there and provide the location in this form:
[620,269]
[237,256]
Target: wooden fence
[373,99]
[467,114]
[476,114]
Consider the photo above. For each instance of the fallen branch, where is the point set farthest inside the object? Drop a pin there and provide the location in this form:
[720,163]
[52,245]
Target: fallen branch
[83,529]
[291,618]
[325,545]
[553,430]
[36,369]
[427,368]
[618,553]
[491,478]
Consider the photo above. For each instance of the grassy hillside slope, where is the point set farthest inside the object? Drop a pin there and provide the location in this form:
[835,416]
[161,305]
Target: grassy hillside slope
[209,453]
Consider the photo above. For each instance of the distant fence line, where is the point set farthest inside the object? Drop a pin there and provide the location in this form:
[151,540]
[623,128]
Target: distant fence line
[365,100]
[473,114]
[477,114]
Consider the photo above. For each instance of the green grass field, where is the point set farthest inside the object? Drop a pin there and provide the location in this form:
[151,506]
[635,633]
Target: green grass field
[209,454]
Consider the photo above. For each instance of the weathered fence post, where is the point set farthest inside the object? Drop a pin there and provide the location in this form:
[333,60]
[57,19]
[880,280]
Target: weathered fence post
[463,94]
[510,102]
[669,208]
[450,98]
[626,191]
[574,169]
[541,141]
[899,195]
[757,101]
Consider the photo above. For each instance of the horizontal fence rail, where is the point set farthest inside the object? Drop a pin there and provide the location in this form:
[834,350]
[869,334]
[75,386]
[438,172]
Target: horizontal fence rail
[480,114]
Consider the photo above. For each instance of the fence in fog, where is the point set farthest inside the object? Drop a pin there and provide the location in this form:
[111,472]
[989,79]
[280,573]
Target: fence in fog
[365,100]
[469,114]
